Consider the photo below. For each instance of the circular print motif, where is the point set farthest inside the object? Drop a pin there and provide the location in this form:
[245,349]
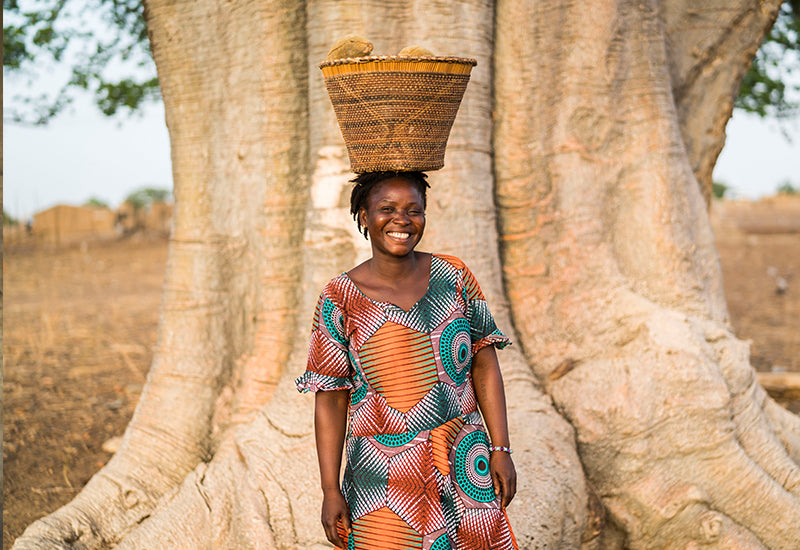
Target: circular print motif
[472,467]
[455,350]
[333,320]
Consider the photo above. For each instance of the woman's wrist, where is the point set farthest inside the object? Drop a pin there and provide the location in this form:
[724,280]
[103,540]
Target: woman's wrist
[501,448]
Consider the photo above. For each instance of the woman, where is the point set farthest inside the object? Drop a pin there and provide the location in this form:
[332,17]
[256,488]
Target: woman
[406,343]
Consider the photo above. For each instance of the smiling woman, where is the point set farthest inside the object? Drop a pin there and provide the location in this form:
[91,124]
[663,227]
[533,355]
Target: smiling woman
[402,350]
[403,345]
[391,211]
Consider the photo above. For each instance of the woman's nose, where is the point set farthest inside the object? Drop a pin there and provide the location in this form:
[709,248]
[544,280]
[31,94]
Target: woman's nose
[401,216]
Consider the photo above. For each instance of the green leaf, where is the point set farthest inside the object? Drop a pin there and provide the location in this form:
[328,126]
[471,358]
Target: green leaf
[44,36]
[54,34]
[767,89]
[94,202]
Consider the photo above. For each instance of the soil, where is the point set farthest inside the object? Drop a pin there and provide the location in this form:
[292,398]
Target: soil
[80,325]
[759,249]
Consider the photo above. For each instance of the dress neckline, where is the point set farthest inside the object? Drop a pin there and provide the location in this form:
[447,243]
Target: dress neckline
[388,303]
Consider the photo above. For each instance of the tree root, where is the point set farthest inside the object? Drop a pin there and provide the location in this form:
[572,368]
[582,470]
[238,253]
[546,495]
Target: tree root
[690,452]
[786,426]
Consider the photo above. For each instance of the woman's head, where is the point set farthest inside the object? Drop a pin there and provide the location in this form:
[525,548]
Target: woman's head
[366,183]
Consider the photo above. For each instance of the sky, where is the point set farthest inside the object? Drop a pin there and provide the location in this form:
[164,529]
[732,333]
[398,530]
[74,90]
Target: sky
[83,154]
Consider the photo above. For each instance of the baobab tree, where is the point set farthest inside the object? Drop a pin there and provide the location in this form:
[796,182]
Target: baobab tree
[573,188]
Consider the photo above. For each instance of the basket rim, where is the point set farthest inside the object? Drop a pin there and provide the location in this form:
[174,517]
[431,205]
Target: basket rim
[394,58]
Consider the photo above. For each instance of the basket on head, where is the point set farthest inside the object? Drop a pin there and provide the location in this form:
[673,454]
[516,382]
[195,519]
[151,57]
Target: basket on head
[395,112]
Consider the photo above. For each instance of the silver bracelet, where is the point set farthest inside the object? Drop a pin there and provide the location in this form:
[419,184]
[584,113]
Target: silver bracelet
[504,449]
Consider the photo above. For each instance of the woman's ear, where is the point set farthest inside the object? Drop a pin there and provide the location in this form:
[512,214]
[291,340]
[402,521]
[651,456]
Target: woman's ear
[362,220]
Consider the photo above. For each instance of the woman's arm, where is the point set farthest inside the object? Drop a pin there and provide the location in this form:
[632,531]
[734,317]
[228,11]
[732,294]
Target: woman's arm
[491,396]
[330,421]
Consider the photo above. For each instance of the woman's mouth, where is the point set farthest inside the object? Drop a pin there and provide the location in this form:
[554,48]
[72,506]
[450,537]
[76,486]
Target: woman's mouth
[398,235]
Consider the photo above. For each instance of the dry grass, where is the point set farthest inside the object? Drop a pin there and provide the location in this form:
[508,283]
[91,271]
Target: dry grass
[79,328]
[761,273]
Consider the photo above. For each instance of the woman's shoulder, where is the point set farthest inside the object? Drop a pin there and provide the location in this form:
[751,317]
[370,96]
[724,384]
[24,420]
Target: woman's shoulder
[343,292]
[452,261]
[336,289]
[464,279]
[452,264]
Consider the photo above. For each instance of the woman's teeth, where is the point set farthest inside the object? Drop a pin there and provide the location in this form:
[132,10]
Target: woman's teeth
[397,235]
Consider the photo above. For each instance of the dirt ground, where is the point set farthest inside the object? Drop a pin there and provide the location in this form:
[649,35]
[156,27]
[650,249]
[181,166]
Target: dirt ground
[80,325]
[761,274]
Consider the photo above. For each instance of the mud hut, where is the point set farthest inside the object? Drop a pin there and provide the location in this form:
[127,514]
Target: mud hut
[157,218]
[154,219]
[64,225]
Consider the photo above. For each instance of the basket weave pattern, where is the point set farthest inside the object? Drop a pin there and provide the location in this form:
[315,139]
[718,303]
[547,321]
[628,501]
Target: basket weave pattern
[396,119]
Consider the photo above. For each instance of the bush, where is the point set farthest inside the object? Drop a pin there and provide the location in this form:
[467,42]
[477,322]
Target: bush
[8,219]
[786,188]
[718,189]
[146,196]
[94,202]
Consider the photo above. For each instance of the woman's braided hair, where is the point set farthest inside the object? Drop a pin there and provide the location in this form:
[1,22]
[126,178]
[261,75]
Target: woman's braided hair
[365,183]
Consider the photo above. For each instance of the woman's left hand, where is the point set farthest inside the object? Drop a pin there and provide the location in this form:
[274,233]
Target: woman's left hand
[504,476]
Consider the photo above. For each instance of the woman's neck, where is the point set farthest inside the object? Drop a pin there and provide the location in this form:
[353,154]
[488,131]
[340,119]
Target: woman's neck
[400,281]
[390,269]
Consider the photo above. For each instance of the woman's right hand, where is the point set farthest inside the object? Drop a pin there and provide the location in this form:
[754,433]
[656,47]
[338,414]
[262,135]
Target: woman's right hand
[334,510]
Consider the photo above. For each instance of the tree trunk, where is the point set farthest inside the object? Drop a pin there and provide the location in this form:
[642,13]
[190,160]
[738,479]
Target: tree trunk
[612,275]
[570,188]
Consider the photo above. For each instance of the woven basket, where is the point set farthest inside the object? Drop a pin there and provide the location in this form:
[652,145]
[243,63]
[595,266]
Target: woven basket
[396,112]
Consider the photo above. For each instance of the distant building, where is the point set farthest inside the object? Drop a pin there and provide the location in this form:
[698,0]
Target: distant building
[158,218]
[770,215]
[154,219]
[64,225]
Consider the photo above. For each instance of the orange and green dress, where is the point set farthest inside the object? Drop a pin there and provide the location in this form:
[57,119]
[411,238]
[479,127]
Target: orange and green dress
[417,474]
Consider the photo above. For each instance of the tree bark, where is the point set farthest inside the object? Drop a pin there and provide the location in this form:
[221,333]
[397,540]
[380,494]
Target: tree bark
[614,283]
[570,189]
[233,78]
[709,50]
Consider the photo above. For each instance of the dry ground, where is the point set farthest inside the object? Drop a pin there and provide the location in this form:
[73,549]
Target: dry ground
[759,247]
[79,329]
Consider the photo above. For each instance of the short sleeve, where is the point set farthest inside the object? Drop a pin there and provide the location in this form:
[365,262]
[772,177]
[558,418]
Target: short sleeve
[328,365]
[483,330]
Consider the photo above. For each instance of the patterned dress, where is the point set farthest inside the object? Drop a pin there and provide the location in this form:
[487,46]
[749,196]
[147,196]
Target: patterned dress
[417,472]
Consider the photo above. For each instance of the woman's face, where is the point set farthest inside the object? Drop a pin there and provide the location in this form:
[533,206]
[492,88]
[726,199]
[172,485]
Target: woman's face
[394,217]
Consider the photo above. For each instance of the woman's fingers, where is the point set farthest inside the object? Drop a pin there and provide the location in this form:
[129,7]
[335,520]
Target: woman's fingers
[333,535]
[343,530]
[504,477]
[511,489]
[346,523]
[335,519]
[498,485]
